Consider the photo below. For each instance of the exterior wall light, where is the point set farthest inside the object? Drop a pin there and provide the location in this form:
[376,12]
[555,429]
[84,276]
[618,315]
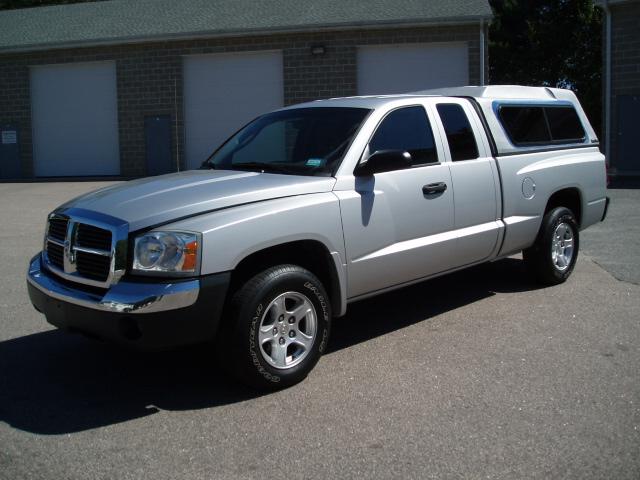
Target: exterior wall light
[317,50]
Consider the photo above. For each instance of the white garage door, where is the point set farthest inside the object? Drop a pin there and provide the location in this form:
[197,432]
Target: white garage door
[384,69]
[223,92]
[75,119]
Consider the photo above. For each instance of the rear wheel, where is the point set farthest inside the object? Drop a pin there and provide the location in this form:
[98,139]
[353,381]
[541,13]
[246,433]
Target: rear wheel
[553,255]
[281,321]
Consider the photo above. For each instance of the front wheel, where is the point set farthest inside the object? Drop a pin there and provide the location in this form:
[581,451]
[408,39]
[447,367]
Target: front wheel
[281,322]
[553,255]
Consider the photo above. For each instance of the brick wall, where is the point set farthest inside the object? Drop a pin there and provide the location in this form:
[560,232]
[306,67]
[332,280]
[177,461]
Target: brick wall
[15,105]
[149,77]
[625,63]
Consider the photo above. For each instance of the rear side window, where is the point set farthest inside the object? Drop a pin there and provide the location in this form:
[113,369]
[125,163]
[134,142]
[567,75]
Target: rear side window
[564,124]
[406,129]
[462,142]
[525,124]
[539,125]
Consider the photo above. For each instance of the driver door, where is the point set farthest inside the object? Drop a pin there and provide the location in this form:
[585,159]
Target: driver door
[397,224]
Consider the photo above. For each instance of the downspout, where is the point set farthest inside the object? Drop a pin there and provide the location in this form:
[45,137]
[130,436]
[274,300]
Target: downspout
[482,53]
[175,112]
[607,83]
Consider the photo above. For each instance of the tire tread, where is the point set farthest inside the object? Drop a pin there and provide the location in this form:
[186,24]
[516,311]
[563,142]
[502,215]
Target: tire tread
[233,328]
[537,258]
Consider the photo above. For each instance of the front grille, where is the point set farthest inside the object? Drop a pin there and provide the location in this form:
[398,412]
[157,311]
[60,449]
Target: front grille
[55,253]
[58,228]
[82,252]
[95,267]
[93,237]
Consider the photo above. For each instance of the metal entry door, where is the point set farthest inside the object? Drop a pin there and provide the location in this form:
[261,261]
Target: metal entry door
[628,158]
[9,152]
[157,134]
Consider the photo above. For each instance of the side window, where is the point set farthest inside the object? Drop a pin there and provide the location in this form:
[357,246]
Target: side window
[525,124]
[462,141]
[406,129]
[542,124]
[564,124]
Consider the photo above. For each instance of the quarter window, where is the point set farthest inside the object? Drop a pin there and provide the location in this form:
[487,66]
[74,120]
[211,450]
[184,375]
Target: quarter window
[406,129]
[462,141]
[541,124]
[525,124]
[564,124]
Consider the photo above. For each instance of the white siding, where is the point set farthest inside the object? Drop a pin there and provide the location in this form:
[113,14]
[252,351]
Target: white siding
[385,69]
[223,92]
[75,119]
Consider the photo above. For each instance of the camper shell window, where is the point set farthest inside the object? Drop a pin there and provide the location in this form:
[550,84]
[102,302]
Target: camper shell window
[541,124]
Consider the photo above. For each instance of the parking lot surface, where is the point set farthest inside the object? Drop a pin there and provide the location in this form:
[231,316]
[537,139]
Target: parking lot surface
[479,374]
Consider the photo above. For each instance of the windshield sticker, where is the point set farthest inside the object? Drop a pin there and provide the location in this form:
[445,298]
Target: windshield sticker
[315,162]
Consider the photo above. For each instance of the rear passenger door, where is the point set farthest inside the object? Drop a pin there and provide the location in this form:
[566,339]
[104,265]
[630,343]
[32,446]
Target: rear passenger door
[474,175]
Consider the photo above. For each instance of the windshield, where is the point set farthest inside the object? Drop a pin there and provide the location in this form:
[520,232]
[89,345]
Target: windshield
[301,141]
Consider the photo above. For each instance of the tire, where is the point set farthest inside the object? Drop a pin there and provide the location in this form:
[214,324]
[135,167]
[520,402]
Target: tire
[553,255]
[281,320]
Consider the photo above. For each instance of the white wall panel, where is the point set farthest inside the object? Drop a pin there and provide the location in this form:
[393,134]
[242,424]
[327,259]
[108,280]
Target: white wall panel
[75,119]
[223,92]
[385,69]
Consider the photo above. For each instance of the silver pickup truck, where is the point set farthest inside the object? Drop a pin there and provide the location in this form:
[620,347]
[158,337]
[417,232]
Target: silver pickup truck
[314,206]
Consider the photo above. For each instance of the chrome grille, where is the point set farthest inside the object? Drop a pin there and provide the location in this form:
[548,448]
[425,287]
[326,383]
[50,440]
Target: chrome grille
[87,250]
[56,233]
[93,237]
[95,267]
[58,228]
[56,255]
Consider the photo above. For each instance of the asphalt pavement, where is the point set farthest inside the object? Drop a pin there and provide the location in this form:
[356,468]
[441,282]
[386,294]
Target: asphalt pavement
[615,243]
[479,374]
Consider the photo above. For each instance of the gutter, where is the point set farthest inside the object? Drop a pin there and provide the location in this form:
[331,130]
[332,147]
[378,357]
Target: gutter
[244,33]
[482,53]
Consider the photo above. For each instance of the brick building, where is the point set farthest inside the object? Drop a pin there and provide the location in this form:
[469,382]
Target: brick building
[130,88]
[622,85]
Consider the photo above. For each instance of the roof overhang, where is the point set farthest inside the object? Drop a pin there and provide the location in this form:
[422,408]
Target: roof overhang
[453,21]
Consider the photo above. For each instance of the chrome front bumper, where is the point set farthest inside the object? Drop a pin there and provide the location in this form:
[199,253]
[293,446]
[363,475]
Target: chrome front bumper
[122,297]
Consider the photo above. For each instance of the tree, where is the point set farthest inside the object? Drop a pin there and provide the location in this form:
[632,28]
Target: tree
[556,43]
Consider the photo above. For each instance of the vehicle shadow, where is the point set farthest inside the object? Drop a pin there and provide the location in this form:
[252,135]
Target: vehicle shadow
[398,309]
[55,383]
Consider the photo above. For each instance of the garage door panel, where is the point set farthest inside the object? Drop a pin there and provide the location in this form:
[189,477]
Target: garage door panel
[224,92]
[386,69]
[75,119]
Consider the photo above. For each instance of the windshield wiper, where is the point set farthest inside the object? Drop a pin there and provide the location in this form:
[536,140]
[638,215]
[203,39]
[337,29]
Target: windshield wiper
[263,166]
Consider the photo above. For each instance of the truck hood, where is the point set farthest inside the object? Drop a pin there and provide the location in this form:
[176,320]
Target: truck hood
[156,200]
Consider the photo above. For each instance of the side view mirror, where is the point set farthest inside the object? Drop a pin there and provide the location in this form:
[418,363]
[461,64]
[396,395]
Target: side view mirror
[383,161]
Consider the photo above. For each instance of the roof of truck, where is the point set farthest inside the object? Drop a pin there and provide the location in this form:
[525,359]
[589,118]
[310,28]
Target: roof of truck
[369,101]
[495,92]
[486,96]
[490,92]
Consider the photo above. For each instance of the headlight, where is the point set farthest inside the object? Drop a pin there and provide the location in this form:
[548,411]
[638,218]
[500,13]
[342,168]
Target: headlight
[174,253]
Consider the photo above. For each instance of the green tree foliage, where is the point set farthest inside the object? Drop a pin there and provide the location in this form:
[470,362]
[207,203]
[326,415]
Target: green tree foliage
[556,43]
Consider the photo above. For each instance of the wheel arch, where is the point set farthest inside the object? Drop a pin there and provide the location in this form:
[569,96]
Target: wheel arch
[569,197]
[312,255]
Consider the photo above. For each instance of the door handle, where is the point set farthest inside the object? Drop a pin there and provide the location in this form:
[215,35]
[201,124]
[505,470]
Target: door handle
[434,188]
